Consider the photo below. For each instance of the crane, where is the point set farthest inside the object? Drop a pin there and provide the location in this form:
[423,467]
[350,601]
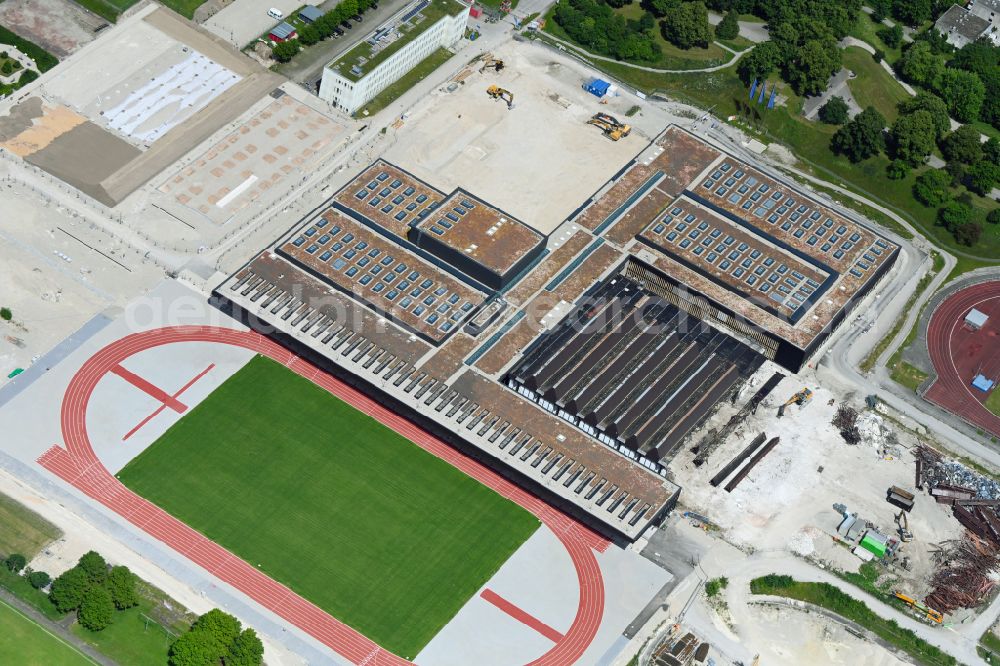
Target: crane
[801,398]
[489,62]
[933,615]
[496,92]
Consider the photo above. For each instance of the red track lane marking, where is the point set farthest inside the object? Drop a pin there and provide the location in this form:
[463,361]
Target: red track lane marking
[79,466]
[521,616]
[159,409]
[950,389]
[146,387]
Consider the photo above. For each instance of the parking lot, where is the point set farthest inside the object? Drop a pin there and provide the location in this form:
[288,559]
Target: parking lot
[245,20]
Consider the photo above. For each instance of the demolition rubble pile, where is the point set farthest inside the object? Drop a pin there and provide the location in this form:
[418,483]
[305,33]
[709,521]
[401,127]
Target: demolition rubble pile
[965,573]
[967,568]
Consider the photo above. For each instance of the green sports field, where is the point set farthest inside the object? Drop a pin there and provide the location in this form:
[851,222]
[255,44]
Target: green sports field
[25,643]
[359,520]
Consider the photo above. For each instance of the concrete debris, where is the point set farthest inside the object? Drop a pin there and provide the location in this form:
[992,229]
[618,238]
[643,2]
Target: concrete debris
[937,471]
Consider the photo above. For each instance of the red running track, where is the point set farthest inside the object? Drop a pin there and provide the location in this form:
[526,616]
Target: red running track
[948,342]
[79,465]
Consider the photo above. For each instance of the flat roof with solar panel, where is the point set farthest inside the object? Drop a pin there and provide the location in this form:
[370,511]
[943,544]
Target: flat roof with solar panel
[483,240]
[388,196]
[382,275]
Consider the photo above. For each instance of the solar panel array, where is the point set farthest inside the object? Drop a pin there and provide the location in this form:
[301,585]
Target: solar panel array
[740,259]
[389,197]
[363,263]
[814,228]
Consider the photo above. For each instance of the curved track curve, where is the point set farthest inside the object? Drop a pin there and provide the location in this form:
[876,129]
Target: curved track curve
[79,465]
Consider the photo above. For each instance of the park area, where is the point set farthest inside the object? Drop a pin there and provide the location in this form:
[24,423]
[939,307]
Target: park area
[371,528]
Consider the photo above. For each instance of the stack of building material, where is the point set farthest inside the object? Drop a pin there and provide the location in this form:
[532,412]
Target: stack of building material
[965,573]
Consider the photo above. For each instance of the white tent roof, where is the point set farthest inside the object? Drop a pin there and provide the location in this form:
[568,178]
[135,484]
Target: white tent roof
[976,318]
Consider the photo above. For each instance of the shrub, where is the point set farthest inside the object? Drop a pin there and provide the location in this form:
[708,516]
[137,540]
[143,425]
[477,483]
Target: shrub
[716,585]
[968,234]
[6,314]
[897,170]
[96,610]
[729,26]
[27,76]
[983,177]
[994,216]
[285,51]
[39,579]
[15,562]
[931,188]
[953,215]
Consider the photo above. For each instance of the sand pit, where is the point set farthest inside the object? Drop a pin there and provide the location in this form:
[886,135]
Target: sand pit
[34,125]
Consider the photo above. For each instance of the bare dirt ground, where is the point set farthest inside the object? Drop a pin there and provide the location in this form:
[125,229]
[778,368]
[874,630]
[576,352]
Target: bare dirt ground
[540,160]
[787,500]
[58,26]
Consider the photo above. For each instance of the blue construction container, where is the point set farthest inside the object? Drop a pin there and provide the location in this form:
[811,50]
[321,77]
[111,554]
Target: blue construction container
[598,87]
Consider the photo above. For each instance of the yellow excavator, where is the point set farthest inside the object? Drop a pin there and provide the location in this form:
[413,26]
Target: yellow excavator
[801,398]
[496,92]
[611,126]
[489,62]
[905,535]
[933,615]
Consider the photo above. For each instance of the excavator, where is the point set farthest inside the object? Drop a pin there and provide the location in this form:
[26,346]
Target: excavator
[801,399]
[612,128]
[489,62]
[933,615]
[496,92]
[905,534]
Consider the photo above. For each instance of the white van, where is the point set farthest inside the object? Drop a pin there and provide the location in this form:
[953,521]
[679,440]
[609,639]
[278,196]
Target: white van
[275,14]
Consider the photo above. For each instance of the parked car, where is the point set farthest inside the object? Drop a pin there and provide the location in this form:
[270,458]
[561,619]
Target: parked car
[337,32]
[346,24]
[357,18]
[275,14]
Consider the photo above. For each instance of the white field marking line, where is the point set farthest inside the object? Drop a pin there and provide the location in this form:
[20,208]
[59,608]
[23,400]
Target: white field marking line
[55,636]
[237,191]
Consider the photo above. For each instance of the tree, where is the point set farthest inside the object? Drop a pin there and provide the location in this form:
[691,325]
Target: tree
[956,171]
[862,137]
[994,216]
[968,234]
[194,648]
[285,51]
[39,579]
[963,92]
[835,111]
[687,26]
[891,37]
[983,177]
[69,589]
[759,63]
[96,610]
[953,215]
[6,314]
[27,76]
[980,57]
[247,650]
[729,26]
[15,562]
[812,66]
[931,103]
[95,566]
[661,8]
[918,64]
[931,188]
[962,145]
[989,112]
[897,170]
[912,12]
[880,10]
[121,585]
[913,137]
[223,627]
[309,35]
[991,150]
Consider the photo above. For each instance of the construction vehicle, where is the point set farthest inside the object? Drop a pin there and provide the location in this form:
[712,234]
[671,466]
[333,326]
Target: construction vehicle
[933,615]
[612,128]
[489,62]
[801,399]
[496,92]
[905,535]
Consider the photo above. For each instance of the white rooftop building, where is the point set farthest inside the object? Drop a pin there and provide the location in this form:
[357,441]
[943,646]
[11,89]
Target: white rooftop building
[392,50]
[976,319]
[962,25]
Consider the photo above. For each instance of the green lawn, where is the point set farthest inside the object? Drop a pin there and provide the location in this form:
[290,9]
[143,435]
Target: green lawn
[407,81]
[873,86]
[866,30]
[371,528]
[831,598]
[25,643]
[993,402]
[671,58]
[22,530]
[131,638]
[183,7]
[107,9]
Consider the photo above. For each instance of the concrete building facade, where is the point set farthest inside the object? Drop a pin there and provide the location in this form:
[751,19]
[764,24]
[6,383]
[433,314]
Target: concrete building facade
[392,50]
